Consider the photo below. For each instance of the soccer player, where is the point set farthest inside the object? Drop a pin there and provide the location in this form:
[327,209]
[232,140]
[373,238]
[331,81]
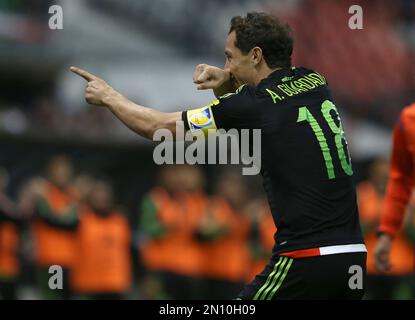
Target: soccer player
[306,166]
[400,186]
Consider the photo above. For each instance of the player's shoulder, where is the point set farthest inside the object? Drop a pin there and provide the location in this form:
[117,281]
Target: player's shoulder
[406,120]
[243,96]
[304,73]
[244,91]
[408,112]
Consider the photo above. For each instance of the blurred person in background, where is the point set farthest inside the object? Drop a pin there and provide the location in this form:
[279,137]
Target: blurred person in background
[262,231]
[14,218]
[55,224]
[83,184]
[371,196]
[399,188]
[223,238]
[196,203]
[103,267]
[163,236]
[28,194]
[10,224]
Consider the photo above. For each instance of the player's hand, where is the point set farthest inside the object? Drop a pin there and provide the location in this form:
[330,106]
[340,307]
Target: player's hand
[382,253]
[210,77]
[97,90]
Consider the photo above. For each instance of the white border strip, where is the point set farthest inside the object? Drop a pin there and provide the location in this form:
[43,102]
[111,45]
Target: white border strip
[342,249]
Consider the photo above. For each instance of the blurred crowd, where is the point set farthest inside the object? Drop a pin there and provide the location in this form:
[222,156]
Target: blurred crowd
[44,115]
[186,244]
[180,243]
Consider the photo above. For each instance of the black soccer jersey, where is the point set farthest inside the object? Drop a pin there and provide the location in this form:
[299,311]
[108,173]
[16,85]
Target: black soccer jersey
[305,163]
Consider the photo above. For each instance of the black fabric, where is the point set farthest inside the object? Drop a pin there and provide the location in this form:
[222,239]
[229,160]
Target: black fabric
[321,277]
[8,289]
[310,208]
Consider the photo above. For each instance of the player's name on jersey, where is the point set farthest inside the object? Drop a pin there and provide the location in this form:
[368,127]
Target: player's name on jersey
[289,87]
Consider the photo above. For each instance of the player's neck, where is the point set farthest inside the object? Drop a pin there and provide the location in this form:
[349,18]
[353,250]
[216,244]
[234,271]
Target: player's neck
[263,72]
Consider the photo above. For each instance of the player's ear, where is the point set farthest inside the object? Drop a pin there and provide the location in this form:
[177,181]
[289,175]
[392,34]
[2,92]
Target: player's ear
[256,55]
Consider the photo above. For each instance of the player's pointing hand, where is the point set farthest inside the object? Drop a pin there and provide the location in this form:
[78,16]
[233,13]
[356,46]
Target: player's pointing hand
[84,74]
[97,90]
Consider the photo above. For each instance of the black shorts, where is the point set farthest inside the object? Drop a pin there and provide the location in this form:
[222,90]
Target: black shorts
[336,276]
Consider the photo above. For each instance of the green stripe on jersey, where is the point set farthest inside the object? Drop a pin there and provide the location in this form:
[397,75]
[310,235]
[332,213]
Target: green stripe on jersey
[270,277]
[281,280]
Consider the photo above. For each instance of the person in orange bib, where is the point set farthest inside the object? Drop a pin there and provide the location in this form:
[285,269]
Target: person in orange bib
[54,226]
[168,217]
[223,234]
[103,267]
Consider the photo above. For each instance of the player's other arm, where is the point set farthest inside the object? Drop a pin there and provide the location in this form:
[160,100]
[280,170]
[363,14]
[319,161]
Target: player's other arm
[400,183]
[398,192]
[217,79]
[144,121]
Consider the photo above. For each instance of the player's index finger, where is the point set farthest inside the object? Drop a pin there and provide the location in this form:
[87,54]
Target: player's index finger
[84,74]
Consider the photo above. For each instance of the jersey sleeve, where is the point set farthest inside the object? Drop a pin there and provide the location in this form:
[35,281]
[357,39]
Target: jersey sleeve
[233,110]
[400,182]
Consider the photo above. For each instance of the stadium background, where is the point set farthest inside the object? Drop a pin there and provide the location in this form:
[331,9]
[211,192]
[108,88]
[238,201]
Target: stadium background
[147,50]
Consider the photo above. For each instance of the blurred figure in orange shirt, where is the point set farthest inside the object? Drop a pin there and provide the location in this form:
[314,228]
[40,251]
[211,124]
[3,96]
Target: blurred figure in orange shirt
[13,222]
[223,238]
[55,224]
[371,197]
[10,224]
[167,218]
[399,188]
[195,200]
[262,234]
[103,262]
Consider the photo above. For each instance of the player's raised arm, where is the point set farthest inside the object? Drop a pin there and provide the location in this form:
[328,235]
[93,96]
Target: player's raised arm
[144,121]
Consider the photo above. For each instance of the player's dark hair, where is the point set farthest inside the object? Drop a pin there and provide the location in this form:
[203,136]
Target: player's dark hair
[267,32]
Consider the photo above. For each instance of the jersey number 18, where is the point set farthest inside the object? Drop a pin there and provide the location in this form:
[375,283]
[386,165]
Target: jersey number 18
[326,107]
